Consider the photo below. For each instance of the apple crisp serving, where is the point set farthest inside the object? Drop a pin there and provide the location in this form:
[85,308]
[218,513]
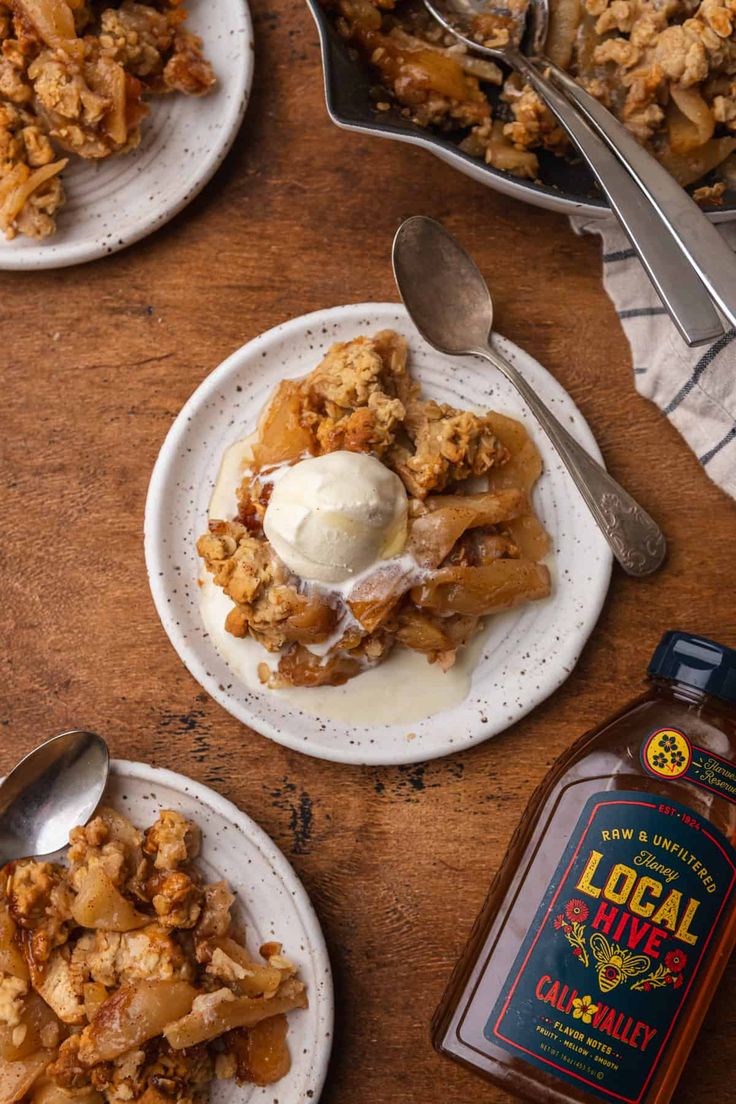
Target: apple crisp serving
[122,976]
[665,68]
[74,77]
[470,544]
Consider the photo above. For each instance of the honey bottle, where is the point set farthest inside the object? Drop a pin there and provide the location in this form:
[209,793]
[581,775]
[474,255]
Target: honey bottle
[610,922]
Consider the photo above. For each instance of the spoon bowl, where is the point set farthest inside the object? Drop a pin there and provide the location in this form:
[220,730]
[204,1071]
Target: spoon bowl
[442,287]
[525,21]
[55,788]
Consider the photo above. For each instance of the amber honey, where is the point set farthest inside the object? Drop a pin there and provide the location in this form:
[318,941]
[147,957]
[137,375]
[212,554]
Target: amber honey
[590,969]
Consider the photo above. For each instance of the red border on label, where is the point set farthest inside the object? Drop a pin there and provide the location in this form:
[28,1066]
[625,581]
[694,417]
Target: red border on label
[655,1063]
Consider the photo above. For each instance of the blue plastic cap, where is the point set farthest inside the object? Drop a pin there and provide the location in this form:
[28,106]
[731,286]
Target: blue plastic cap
[698,662]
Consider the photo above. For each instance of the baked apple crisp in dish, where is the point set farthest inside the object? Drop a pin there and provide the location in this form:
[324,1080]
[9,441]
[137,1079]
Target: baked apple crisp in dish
[75,78]
[123,976]
[666,69]
[368,519]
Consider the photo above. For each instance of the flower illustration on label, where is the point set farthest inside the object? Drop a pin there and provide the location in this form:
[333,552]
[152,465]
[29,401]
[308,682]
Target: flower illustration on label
[571,922]
[576,910]
[668,972]
[675,961]
[667,753]
[612,952]
[614,964]
[584,1009]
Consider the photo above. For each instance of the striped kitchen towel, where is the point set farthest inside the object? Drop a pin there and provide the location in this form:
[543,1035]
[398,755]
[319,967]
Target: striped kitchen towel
[695,388]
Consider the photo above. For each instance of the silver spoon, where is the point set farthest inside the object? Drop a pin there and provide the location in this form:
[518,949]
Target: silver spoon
[450,304]
[56,787]
[684,255]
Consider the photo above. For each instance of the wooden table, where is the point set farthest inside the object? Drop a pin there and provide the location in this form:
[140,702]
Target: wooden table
[96,361]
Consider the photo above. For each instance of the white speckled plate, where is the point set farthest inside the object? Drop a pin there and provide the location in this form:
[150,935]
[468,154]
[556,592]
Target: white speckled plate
[527,652]
[113,203]
[271,902]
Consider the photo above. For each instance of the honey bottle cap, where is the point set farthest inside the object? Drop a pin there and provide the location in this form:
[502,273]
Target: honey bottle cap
[697,662]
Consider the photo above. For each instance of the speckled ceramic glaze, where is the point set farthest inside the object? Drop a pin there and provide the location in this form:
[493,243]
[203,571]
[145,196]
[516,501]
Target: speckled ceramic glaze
[527,653]
[271,902]
[113,203]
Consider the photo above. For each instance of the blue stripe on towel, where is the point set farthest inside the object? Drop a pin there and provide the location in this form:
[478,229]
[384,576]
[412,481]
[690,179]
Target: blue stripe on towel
[707,359]
[707,456]
[619,255]
[642,312]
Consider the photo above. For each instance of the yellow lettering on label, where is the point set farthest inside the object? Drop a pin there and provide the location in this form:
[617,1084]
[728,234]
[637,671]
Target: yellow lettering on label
[668,912]
[585,885]
[619,884]
[637,904]
[683,932]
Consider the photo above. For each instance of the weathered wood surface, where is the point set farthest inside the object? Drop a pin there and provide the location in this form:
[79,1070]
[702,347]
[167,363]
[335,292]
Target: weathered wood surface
[95,363]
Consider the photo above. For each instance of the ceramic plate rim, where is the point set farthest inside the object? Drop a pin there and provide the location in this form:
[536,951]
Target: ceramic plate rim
[73,253]
[272,853]
[570,644]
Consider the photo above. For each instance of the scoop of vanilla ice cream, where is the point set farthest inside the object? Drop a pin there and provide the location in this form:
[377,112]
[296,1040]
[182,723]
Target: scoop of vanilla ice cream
[331,517]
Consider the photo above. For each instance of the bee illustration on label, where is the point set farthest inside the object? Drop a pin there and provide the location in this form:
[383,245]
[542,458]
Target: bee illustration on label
[614,964]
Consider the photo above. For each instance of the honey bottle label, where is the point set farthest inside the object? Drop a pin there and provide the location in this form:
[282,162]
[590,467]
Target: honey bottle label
[614,951]
[668,753]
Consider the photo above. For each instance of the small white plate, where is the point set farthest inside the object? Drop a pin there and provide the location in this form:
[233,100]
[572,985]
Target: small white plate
[112,203]
[527,652]
[271,902]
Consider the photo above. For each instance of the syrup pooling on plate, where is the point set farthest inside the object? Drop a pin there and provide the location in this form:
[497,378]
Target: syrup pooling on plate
[473,543]
[379,696]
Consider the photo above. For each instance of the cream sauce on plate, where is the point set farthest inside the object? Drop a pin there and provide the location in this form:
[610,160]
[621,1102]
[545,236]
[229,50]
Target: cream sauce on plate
[402,689]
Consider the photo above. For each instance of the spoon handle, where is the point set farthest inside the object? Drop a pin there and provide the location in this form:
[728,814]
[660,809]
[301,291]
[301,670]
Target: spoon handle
[635,539]
[660,249]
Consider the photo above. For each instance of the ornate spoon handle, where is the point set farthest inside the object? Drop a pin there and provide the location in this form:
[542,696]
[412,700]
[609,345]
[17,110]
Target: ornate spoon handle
[635,539]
